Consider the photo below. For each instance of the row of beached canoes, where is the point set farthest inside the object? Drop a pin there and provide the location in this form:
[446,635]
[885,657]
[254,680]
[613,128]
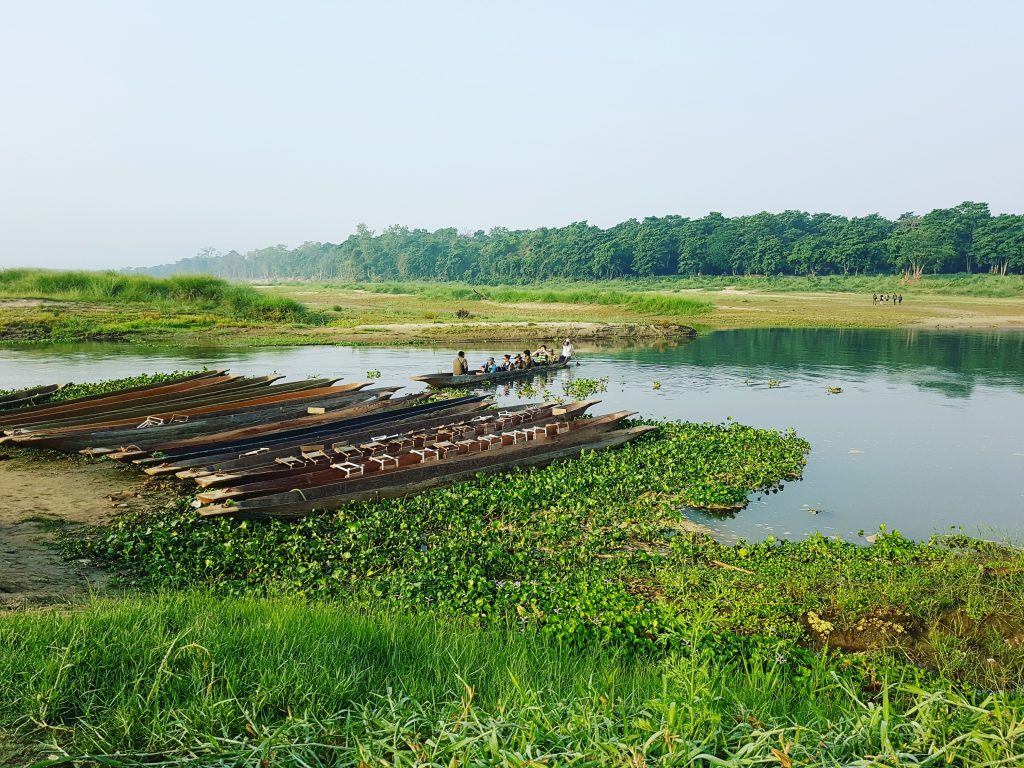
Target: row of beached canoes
[256,450]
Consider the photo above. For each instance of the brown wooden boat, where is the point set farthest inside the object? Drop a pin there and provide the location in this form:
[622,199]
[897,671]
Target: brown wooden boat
[300,502]
[447,380]
[78,401]
[105,399]
[367,463]
[377,418]
[157,432]
[267,454]
[283,395]
[317,457]
[103,409]
[230,392]
[24,398]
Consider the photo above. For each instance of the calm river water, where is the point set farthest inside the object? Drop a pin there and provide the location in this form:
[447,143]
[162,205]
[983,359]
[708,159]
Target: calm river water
[927,435]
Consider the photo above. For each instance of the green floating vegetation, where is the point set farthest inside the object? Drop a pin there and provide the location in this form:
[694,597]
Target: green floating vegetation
[559,547]
[180,293]
[87,389]
[595,550]
[581,388]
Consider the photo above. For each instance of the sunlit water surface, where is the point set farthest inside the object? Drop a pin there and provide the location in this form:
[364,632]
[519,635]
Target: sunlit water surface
[926,436]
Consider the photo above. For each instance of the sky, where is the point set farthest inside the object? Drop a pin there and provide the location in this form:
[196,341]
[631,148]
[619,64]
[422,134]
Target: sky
[136,133]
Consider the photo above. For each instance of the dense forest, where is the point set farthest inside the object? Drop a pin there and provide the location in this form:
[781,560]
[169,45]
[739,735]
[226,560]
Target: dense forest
[966,238]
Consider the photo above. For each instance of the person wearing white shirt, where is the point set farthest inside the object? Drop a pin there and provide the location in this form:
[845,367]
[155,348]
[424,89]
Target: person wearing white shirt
[567,351]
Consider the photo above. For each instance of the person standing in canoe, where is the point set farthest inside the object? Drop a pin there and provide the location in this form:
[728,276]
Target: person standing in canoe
[567,350]
[460,367]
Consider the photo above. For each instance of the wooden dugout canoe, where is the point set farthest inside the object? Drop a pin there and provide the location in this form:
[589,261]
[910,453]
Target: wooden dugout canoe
[103,399]
[299,504]
[298,465]
[408,426]
[108,408]
[269,404]
[80,401]
[155,436]
[28,397]
[440,380]
[160,459]
[400,469]
[226,394]
[228,462]
[372,415]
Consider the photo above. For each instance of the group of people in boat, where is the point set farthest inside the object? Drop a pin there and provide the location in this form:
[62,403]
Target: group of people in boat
[520,361]
[885,298]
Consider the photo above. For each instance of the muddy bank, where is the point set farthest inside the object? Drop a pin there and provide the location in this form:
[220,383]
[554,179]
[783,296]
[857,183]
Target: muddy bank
[45,498]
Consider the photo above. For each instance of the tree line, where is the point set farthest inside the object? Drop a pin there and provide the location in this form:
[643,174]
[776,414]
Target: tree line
[965,238]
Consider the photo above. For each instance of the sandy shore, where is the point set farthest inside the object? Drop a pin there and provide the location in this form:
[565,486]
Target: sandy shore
[45,498]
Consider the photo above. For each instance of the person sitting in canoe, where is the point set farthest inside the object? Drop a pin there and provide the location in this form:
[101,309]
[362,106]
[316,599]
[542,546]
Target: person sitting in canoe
[460,366]
[507,364]
[541,355]
[489,367]
[517,364]
[528,359]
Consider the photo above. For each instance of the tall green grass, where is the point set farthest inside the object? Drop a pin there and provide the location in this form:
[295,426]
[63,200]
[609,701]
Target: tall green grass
[626,292]
[979,285]
[188,679]
[583,294]
[190,292]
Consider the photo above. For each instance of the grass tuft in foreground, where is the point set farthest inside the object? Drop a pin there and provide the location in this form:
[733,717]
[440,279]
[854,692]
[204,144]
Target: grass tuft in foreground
[194,680]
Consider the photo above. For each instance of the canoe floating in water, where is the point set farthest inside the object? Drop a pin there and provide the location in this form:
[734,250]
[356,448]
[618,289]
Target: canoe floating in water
[439,380]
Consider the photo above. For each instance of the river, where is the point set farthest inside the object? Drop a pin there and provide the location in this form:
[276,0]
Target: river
[926,437]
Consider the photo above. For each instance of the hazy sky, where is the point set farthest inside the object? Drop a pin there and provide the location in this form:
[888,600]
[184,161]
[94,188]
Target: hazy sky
[135,133]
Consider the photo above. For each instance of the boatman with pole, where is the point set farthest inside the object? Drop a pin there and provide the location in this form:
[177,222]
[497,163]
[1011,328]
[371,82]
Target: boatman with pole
[567,350]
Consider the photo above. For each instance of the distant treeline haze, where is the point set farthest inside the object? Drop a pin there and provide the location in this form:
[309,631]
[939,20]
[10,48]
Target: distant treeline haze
[966,238]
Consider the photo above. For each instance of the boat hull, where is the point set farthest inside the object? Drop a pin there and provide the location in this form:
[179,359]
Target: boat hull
[442,380]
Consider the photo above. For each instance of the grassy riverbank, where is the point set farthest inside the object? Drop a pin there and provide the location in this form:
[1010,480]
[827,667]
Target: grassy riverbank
[105,306]
[566,614]
[410,311]
[190,679]
[68,306]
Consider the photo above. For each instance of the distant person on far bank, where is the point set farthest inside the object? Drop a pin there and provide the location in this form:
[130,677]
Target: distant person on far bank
[568,350]
[460,366]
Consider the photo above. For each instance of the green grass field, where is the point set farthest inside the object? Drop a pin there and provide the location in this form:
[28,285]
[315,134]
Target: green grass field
[73,306]
[194,680]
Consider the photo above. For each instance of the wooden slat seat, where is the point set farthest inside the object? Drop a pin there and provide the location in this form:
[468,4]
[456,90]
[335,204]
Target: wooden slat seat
[349,468]
[385,461]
